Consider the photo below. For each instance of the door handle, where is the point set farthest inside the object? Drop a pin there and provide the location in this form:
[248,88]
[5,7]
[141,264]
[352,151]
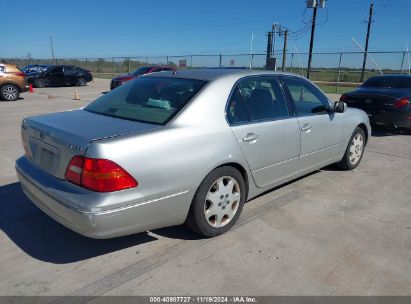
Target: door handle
[306,128]
[250,137]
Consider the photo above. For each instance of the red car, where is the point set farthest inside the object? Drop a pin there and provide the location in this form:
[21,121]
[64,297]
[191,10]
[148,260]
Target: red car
[119,80]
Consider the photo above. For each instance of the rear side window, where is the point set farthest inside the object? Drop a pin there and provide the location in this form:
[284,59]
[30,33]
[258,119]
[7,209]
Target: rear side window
[256,99]
[307,99]
[147,99]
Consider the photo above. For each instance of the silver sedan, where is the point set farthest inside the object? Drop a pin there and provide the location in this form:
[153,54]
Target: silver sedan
[183,147]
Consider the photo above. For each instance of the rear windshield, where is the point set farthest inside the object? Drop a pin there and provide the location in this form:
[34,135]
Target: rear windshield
[141,71]
[388,82]
[147,99]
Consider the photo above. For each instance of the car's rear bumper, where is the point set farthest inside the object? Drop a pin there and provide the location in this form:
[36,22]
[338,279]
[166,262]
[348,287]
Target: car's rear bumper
[140,216]
[392,119]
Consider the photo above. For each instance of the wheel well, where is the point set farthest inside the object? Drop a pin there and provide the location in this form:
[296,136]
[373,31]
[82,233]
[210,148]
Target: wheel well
[243,173]
[18,88]
[364,127]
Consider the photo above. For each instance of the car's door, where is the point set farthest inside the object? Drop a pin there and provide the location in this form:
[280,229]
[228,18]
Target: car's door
[268,135]
[320,127]
[55,76]
[70,75]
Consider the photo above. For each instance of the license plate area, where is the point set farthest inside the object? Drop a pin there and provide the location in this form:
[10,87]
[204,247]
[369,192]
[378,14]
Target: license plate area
[44,155]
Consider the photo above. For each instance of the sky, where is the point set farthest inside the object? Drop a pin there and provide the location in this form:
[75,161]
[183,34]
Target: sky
[103,28]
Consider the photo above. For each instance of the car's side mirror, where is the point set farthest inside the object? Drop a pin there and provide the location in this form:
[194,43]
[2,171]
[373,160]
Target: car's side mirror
[340,106]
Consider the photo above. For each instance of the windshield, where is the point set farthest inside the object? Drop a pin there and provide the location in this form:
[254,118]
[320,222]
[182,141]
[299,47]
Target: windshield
[141,71]
[147,99]
[388,82]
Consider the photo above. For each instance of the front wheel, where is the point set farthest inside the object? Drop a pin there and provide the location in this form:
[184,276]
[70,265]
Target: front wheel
[355,150]
[39,83]
[81,82]
[9,92]
[217,203]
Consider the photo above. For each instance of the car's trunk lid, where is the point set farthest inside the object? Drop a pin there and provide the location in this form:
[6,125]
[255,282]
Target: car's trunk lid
[375,99]
[52,140]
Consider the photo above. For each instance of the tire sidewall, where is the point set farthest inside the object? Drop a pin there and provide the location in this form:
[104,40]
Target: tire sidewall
[40,83]
[81,82]
[3,97]
[196,217]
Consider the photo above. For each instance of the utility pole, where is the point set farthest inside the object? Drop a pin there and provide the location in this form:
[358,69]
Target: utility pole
[284,50]
[269,48]
[366,41]
[52,50]
[313,4]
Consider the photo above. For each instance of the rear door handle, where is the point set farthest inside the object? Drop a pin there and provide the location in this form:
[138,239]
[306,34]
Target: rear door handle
[306,128]
[250,137]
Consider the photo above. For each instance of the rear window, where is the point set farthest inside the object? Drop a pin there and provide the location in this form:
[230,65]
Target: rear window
[388,82]
[147,99]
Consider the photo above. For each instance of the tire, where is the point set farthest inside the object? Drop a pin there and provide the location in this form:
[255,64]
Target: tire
[39,83]
[354,151]
[217,203]
[9,92]
[81,82]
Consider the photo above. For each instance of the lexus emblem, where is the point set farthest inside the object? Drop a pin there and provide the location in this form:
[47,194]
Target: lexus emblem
[41,134]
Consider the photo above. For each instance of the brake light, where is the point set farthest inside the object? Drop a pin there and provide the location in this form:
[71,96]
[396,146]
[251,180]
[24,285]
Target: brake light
[101,175]
[401,102]
[20,74]
[344,98]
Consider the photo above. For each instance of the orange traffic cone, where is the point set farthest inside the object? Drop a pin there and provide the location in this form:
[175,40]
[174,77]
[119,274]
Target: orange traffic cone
[76,97]
[31,89]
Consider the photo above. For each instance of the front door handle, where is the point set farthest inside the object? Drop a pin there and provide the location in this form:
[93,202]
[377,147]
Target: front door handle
[306,128]
[250,137]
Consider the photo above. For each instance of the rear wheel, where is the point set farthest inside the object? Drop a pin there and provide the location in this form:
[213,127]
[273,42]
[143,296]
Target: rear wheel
[39,83]
[81,82]
[9,92]
[355,150]
[217,203]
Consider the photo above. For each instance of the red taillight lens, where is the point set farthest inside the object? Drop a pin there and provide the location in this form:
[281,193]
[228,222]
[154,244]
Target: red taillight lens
[401,102]
[344,98]
[20,74]
[99,175]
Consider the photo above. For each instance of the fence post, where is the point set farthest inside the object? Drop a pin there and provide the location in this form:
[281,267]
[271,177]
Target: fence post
[402,61]
[86,64]
[221,60]
[112,65]
[339,73]
[98,65]
[292,62]
[129,66]
[167,60]
[191,62]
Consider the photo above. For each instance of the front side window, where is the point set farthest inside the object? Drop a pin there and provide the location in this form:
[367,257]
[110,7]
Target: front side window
[308,100]
[147,99]
[256,99]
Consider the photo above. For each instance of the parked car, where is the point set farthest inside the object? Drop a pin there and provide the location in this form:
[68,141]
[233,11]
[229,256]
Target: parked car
[183,147]
[386,99]
[119,80]
[12,82]
[61,75]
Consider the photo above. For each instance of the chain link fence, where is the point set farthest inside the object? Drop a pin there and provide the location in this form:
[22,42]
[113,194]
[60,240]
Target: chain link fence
[334,72]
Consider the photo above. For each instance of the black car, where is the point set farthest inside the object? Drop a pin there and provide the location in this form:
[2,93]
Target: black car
[386,100]
[61,75]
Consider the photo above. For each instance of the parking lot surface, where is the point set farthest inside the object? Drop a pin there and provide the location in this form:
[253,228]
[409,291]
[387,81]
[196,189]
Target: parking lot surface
[329,233]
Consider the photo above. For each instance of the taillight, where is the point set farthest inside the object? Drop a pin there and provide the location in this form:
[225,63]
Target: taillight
[401,102]
[101,175]
[20,74]
[344,98]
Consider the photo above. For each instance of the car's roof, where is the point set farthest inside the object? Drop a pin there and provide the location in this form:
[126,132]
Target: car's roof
[393,76]
[214,73]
